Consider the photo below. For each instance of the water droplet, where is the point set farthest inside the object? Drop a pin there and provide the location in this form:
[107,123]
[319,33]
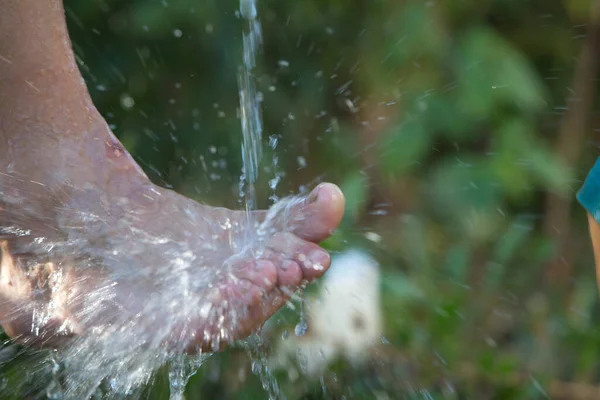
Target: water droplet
[274,182]
[301,161]
[54,391]
[177,33]
[350,105]
[127,101]
[301,328]
[373,237]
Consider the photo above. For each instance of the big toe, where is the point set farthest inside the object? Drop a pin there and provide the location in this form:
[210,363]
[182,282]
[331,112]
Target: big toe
[321,213]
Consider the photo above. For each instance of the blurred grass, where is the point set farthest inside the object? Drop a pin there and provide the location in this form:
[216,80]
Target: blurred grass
[438,118]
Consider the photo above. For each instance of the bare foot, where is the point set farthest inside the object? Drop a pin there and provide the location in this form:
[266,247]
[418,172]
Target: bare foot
[90,244]
[118,274]
[91,249]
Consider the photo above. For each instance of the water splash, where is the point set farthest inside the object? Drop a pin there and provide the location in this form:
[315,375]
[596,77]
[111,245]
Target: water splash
[182,368]
[302,326]
[126,338]
[121,342]
[260,367]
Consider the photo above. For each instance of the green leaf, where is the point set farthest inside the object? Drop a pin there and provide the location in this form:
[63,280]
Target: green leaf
[405,146]
[400,287]
[459,186]
[507,246]
[492,73]
[444,116]
[521,160]
[457,262]
[414,244]
[355,188]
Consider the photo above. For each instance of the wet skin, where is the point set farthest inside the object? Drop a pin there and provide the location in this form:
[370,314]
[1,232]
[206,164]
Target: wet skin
[82,227]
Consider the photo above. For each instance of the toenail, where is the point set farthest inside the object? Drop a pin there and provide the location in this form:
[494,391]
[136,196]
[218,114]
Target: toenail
[285,265]
[319,258]
[314,196]
[260,265]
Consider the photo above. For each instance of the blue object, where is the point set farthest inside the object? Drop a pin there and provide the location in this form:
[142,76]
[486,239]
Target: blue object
[589,194]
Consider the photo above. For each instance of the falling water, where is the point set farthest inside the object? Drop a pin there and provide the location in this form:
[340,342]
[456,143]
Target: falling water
[250,103]
[182,368]
[251,117]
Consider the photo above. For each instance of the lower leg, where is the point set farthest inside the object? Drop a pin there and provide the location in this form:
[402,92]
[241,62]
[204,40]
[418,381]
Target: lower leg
[46,113]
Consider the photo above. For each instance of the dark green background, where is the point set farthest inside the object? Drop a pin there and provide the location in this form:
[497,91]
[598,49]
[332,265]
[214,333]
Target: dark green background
[452,127]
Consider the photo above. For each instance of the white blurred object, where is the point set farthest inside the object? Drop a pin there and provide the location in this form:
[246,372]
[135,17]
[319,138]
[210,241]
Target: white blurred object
[344,320]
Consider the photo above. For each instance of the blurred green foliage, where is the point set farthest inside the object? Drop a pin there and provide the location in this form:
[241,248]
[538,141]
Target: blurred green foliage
[438,118]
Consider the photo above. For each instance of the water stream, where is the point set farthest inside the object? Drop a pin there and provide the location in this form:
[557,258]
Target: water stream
[182,367]
[250,108]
